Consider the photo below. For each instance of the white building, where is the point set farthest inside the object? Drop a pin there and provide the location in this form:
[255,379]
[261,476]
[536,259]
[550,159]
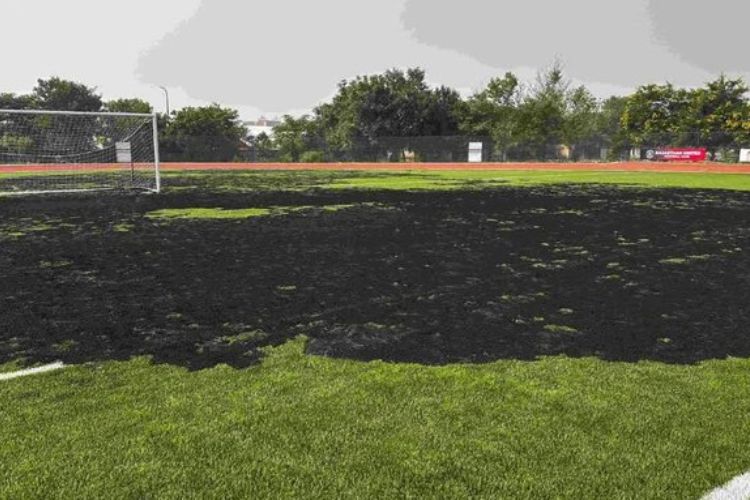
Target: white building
[260,126]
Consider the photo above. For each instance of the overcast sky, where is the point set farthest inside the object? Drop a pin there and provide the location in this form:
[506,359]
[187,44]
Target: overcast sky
[277,56]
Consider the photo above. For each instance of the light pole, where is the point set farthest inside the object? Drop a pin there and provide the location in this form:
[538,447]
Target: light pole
[166,95]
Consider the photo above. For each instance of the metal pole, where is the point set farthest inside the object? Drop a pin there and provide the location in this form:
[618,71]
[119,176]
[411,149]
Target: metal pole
[166,95]
[156,153]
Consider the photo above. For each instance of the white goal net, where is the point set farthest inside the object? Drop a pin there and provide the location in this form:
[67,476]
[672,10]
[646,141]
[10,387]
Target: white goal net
[61,151]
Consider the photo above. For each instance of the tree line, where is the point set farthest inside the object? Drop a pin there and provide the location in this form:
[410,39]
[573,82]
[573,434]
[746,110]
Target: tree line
[205,133]
[522,121]
[385,116]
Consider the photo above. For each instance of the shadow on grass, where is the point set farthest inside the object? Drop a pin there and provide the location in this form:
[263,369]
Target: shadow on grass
[431,278]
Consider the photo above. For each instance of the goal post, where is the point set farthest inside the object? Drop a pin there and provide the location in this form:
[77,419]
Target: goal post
[66,151]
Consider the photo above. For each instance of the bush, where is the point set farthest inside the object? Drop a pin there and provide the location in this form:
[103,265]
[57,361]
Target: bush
[312,157]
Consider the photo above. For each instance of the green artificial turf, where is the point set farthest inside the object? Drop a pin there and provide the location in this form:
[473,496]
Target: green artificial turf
[440,180]
[11,367]
[208,213]
[413,180]
[302,426]
[243,213]
[488,179]
[305,426]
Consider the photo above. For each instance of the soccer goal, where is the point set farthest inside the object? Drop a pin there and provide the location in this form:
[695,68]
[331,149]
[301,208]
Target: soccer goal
[65,151]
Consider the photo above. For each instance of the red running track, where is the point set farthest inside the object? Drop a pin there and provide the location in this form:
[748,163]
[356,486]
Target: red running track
[591,167]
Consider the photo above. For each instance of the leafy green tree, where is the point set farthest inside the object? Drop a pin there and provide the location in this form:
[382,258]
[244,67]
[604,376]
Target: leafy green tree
[15,132]
[493,112]
[542,114]
[394,104]
[9,100]
[64,95]
[294,136]
[739,124]
[609,118]
[657,115]
[133,105]
[716,110]
[580,123]
[13,142]
[441,115]
[609,127]
[263,147]
[208,133]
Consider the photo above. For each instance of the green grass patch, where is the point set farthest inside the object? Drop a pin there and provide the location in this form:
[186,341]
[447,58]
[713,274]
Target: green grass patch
[123,227]
[27,226]
[243,213]
[490,179]
[249,181]
[560,329]
[301,426]
[12,366]
[679,261]
[208,213]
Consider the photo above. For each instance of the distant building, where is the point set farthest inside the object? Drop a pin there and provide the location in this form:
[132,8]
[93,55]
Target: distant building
[260,126]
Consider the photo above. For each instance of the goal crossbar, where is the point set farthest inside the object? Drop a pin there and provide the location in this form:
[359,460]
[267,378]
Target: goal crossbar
[72,113]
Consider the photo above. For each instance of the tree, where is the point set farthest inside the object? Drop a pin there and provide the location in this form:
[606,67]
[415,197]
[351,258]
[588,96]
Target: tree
[9,100]
[441,115]
[543,112]
[294,136]
[609,127]
[717,110]
[208,133]
[133,105]
[739,124]
[579,124]
[64,95]
[15,130]
[656,115]
[263,147]
[394,104]
[493,112]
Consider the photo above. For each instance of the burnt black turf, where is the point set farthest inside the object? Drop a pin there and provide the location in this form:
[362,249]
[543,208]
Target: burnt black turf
[431,278]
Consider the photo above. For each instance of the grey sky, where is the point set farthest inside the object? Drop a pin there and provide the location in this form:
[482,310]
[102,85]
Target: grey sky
[275,56]
[599,40]
[710,34]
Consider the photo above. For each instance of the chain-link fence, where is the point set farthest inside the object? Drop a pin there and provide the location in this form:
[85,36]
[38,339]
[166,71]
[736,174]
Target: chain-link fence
[442,149]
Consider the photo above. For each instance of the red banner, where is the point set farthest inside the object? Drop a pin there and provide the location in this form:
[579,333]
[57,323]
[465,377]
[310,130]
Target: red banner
[677,154]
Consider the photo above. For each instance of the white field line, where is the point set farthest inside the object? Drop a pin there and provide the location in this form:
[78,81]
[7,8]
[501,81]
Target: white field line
[737,489]
[31,371]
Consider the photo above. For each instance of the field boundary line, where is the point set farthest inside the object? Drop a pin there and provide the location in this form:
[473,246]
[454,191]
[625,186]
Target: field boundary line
[32,371]
[737,489]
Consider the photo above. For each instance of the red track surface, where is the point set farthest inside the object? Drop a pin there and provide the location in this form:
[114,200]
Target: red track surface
[601,167]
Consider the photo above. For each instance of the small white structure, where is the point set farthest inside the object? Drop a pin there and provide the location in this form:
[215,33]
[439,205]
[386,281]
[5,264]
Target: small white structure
[261,126]
[475,152]
[744,155]
[124,152]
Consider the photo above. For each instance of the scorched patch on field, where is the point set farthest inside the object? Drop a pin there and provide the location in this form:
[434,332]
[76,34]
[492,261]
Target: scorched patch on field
[432,278]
